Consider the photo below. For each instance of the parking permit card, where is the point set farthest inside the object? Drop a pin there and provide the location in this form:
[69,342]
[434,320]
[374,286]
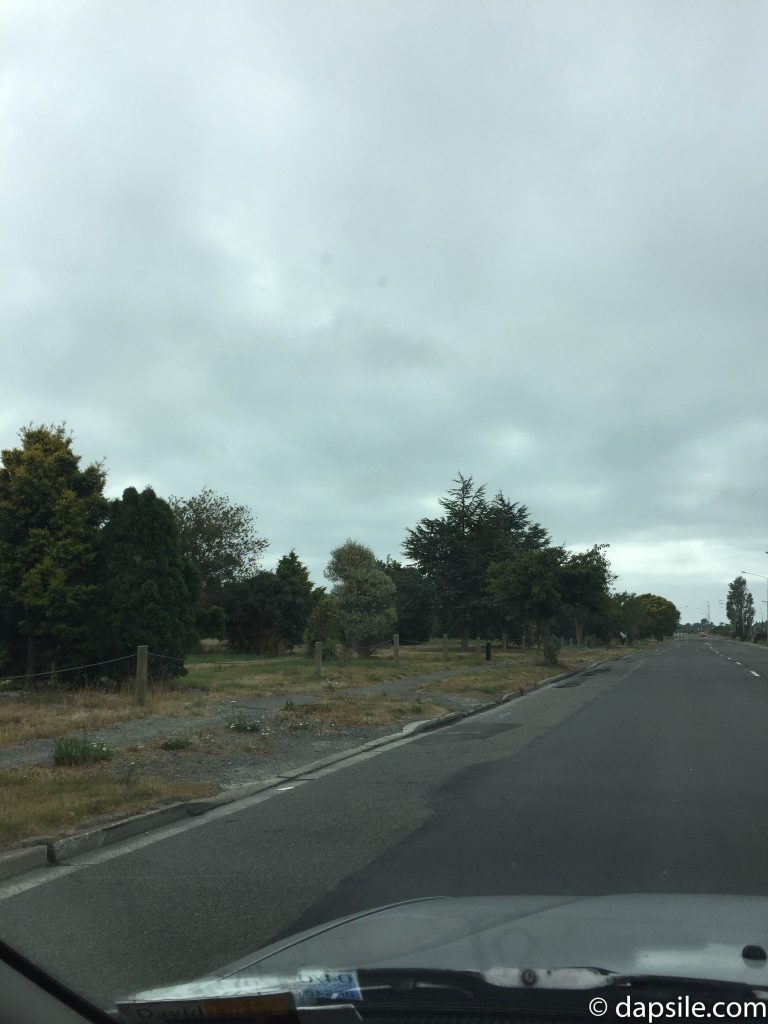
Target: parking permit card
[316,983]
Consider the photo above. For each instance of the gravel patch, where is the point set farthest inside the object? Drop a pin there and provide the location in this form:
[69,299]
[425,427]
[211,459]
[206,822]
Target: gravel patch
[145,732]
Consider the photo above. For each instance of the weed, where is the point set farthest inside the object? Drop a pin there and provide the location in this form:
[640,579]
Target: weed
[72,750]
[176,743]
[241,722]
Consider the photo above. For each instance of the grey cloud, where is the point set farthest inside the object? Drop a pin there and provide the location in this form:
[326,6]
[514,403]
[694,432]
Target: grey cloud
[322,256]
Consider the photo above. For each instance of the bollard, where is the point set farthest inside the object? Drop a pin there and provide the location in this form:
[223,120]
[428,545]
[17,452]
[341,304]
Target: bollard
[318,659]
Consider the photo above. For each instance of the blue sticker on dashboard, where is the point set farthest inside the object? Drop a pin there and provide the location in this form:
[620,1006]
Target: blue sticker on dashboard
[320,984]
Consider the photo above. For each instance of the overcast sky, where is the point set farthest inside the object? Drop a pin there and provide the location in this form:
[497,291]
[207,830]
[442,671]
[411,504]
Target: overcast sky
[320,256]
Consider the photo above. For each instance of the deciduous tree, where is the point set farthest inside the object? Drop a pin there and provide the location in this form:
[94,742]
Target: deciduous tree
[324,624]
[737,607]
[218,537]
[530,587]
[365,596]
[587,579]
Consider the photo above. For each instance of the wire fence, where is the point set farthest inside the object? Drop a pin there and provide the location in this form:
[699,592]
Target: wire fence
[54,672]
[362,649]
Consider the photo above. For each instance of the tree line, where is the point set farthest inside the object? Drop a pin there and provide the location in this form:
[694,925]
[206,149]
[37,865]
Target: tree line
[84,579]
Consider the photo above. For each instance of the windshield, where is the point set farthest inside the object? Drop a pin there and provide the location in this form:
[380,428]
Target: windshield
[381,503]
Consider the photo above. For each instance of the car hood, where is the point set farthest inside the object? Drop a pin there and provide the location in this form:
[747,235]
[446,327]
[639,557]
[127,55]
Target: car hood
[565,941]
[696,936]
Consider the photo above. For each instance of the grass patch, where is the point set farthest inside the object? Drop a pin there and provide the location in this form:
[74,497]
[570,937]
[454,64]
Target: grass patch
[48,715]
[523,670]
[356,712]
[295,674]
[72,750]
[49,802]
[176,743]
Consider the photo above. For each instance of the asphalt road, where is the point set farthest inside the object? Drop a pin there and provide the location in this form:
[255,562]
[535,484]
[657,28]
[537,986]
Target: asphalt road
[648,775]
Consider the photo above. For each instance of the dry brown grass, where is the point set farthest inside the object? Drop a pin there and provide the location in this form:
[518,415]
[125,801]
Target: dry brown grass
[521,671]
[47,716]
[273,677]
[357,712]
[49,802]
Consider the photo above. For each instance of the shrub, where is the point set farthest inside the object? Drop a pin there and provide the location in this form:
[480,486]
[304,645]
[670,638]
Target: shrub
[241,722]
[176,743]
[73,750]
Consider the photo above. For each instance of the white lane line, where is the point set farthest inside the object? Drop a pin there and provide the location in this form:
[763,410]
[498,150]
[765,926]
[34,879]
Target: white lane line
[739,663]
[754,673]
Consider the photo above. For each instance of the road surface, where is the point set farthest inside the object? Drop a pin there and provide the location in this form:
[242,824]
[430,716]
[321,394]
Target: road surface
[647,775]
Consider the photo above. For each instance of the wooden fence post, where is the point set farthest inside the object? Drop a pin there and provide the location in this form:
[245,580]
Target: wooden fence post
[142,662]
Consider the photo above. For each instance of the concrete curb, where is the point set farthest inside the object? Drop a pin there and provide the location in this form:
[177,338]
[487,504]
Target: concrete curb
[58,851]
[61,850]
[17,862]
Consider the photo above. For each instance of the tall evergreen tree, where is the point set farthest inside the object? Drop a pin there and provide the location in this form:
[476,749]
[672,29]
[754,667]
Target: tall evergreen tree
[268,612]
[295,596]
[50,512]
[455,551]
[146,588]
[413,600]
